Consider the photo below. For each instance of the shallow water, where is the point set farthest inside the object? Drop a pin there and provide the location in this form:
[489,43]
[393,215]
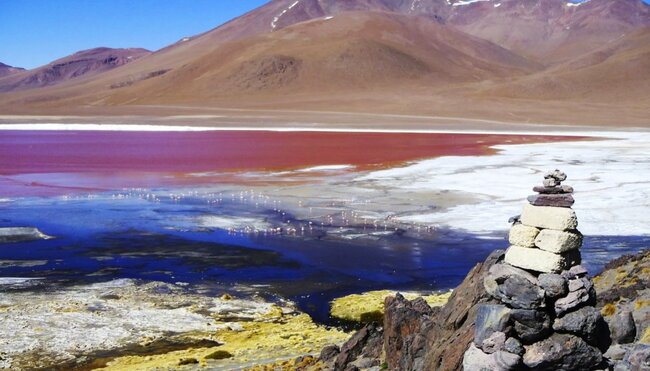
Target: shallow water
[308,231]
[101,237]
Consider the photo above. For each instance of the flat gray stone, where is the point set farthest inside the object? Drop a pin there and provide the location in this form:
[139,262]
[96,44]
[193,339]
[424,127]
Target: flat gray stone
[555,200]
[545,217]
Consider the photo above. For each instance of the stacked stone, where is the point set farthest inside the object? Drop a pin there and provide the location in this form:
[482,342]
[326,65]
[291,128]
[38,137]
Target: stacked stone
[544,316]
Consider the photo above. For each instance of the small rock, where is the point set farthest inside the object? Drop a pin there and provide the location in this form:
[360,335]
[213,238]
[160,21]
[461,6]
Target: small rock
[530,325]
[329,353]
[476,360]
[557,200]
[553,190]
[491,318]
[638,357]
[554,285]
[562,352]
[558,241]
[545,217]
[622,327]
[550,183]
[616,352]
[587,323]
[513,346]
[187,361]
[578,271]
[494,343]
[523,235]
[540,260]
[556,174]
[575,300]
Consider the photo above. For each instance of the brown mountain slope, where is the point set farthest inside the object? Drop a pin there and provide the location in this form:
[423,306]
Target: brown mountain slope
[6,70]
[81,64]
[354,51]
[616,72]
[549,30]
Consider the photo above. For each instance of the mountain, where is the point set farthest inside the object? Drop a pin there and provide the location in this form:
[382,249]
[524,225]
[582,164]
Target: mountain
[512,60]
[81,64]
[6,70]
[551,30]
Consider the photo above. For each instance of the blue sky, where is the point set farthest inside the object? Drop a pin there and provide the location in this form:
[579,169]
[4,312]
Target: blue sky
[36,32]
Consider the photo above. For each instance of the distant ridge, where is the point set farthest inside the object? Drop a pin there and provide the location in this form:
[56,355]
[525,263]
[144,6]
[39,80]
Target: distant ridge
[6,69]
[84,63]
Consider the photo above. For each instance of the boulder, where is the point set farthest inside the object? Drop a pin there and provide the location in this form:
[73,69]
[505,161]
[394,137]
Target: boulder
[546,217]
[556,200]
[587,323]
[558,241]
[494,343]
[491,318]
[554,285]
[518,292]
[406,324]
[476,360]
[540,260]
[622,327]
[530,325]
[523,235]
[562,352]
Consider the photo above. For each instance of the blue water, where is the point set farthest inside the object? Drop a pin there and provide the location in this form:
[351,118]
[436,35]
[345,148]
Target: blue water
[101,238]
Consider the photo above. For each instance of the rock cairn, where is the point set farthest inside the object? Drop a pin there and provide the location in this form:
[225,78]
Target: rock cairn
[543,316]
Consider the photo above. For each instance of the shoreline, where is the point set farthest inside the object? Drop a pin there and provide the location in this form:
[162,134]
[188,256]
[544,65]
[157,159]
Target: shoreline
[589,131]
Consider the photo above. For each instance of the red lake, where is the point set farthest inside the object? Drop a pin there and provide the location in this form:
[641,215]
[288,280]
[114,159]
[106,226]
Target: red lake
[59,162]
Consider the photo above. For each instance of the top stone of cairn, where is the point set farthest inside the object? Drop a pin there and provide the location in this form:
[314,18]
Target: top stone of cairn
[553,193]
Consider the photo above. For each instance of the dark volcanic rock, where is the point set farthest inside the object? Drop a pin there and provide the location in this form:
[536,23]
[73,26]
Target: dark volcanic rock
[588,324]
[329,353]
[562,352]
[554,285]
[491,318]
[557,200]
[622,327]
[530,325]
[581,293]
[513,346]
[405,323]
[366,342]
[451,329]
[514,286]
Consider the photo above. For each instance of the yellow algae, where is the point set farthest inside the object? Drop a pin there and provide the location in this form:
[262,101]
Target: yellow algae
[608,310]
[641,303]
[275,336]
[369,306]
[645,339]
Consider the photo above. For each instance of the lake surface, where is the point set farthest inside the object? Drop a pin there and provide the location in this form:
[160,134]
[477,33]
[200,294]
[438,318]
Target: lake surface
[211,210]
